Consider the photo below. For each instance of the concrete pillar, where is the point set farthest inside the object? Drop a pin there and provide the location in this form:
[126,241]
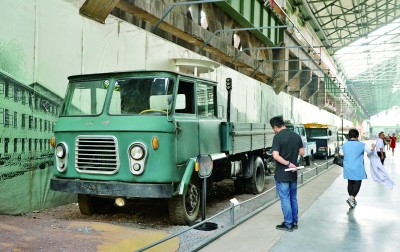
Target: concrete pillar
[280,67]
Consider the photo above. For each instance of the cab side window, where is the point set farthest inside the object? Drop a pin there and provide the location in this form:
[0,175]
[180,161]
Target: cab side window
[302,132]
[205,100]
[186,89]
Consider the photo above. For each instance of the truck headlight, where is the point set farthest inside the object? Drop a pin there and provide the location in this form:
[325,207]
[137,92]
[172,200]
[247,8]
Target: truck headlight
[61,156]
[60,150]
[137,152]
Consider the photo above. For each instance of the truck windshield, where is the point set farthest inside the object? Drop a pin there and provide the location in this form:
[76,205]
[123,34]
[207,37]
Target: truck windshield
[85,98]
[142,96]
[317,133]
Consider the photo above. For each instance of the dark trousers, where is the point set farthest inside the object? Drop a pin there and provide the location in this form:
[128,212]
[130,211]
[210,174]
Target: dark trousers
[380,154]
[353,187]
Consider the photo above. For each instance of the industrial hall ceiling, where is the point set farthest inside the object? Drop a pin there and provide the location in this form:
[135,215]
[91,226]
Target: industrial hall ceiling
[363,37]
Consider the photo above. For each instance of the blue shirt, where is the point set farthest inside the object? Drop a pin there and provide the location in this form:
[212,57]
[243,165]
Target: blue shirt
[353,162]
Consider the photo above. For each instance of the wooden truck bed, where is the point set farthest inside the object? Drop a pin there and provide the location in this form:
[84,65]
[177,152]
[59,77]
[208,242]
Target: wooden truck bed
[243,137]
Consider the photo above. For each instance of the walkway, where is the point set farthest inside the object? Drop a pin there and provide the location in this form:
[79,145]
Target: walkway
[326,223]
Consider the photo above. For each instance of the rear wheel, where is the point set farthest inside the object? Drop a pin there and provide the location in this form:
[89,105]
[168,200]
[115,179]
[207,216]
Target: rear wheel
[184,209]
[307,159]
[239,185]
[255,184]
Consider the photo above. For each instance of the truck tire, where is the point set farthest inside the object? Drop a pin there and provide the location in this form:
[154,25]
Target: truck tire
[239,185]
[301,161]
[255,184]
[307,159]
[89,205]
[85,203]
[184,209]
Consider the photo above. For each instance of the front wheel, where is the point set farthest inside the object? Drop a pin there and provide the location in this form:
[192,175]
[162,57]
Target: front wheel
[85,203]
[184,209]
[89,205]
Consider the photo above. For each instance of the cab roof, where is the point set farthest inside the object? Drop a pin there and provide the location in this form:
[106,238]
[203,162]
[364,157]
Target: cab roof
[137,73]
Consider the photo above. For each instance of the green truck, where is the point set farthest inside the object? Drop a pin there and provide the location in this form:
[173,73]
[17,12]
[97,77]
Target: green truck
[137,135]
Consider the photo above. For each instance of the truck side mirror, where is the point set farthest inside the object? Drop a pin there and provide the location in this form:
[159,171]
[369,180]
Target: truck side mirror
[180,101]
[330,132]
[160,102]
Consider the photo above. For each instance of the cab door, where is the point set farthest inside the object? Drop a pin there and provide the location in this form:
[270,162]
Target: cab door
[209,124]
[187,124]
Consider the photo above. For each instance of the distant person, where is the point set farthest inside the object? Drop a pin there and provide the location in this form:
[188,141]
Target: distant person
[380,147]
[386,141]
[286,146]
[353,164]
[393,143]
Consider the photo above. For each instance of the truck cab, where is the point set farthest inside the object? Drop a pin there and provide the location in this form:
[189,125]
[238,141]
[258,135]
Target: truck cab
[132,135]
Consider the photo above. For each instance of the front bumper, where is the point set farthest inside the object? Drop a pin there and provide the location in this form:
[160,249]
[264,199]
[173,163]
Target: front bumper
[112,188]
[321,154]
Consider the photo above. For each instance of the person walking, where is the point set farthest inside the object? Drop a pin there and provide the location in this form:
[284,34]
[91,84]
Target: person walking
[393,140]
[386,142]
[380,146]
[286,146]
[353,164]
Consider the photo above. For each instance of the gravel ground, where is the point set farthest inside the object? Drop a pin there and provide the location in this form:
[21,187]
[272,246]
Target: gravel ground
[64,228]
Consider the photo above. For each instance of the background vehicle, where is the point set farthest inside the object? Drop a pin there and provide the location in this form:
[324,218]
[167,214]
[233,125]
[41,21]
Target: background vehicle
[138,134]
[326,138]
[341,139]
[343,135]
[310,147]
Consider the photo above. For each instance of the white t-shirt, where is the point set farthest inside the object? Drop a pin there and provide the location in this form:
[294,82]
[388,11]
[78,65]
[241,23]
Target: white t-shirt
[379,145]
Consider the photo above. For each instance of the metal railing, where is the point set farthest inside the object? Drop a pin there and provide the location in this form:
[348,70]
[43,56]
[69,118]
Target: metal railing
[236,214]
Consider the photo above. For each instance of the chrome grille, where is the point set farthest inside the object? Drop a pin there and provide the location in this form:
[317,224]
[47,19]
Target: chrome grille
[96,154]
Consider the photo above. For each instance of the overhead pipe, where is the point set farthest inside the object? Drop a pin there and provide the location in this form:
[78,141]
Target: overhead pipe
[305,4]
[243,29]
[264,48]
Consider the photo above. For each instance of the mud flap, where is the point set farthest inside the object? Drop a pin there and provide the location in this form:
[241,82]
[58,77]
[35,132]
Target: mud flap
[183,186]
[249,168]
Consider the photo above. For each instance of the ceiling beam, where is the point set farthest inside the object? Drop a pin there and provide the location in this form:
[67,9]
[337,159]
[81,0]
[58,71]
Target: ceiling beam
[98,10]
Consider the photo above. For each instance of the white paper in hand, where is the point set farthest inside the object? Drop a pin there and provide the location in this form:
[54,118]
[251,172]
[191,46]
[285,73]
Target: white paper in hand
[292,169]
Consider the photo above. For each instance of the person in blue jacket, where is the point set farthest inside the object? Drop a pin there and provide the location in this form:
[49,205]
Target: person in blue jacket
[353,164]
